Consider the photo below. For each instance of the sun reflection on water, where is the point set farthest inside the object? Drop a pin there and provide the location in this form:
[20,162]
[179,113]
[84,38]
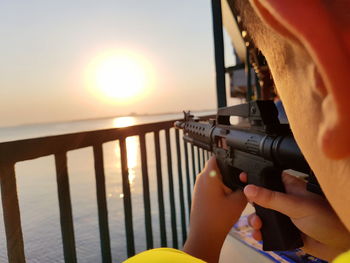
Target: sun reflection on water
[132,154]
[132,148]
[121,122]
[132,144]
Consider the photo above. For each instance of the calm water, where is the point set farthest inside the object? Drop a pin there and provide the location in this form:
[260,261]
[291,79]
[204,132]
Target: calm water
[37,191]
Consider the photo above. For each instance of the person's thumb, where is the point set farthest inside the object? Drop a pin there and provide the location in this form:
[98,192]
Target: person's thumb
[289,205]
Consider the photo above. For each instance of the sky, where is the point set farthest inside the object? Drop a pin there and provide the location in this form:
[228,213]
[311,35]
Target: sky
[47,46]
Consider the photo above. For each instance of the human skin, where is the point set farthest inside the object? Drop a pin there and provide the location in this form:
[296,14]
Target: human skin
[324,235]
[307,47]
[215,208]
[306,44]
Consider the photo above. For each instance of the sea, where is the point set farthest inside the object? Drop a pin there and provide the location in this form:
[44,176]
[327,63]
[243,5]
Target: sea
[38,200]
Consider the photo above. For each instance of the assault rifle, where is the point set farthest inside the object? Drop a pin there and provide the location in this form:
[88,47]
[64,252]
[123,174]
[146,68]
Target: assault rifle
[262,149]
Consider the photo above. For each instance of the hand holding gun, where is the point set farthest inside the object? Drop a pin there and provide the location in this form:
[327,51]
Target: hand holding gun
[263,150]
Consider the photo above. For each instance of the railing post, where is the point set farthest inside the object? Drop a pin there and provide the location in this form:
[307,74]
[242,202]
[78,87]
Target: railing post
[188,178]
[203,159]
[11,213]
[105,242]
[163,239]
[181,191]
[194,173]
[199,160]
[171,189]
[129,229]
[65,206]
[219,53]
[146,194]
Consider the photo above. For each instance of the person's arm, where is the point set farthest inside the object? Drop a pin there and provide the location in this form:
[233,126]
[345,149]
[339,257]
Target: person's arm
[215,209]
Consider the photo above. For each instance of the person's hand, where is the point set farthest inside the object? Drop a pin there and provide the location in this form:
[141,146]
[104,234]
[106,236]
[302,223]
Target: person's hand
[324,235]
[215,209]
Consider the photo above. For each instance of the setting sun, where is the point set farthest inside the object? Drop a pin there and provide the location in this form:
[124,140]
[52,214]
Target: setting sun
[120,76]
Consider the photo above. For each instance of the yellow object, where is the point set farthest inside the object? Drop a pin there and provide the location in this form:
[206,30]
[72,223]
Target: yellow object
[163,255]
[170,255]
[343,258]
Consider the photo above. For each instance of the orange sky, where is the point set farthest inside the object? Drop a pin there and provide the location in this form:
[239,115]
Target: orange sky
[47,47]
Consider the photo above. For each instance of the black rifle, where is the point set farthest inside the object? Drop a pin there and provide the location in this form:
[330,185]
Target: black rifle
[262,149]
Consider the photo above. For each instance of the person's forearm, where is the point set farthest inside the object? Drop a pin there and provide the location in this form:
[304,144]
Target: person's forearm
[206,247]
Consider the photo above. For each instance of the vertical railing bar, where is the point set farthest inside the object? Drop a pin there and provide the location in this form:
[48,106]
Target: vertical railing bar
[129,230]
[163,240]
[171,189]
[105,242]
[11,213]
[146,194]
[65,205]
[198,160]
[219,49]
[181,191]
[188,179]
[193,165]
[203,158]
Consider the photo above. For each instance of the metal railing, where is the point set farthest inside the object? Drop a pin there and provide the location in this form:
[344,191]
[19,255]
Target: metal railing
[21,150]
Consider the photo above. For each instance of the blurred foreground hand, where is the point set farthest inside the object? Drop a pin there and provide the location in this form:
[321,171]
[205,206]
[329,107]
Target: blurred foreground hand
[215,209]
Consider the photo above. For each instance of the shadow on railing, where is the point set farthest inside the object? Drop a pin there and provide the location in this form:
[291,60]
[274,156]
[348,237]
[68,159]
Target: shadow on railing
[16,151]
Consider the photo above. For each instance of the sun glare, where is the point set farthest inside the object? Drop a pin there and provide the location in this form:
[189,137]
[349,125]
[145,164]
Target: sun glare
[120,76]
[121,122]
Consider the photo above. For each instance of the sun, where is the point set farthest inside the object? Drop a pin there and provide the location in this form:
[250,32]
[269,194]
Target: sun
[120,76]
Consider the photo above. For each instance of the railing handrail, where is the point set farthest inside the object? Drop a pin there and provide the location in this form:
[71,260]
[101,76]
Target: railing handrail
[27,149]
